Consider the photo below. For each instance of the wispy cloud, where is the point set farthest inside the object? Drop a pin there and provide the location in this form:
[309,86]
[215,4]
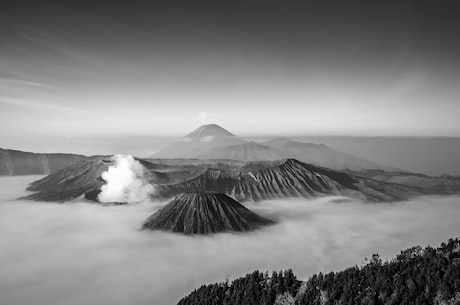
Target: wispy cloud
[36,104]
[24,83]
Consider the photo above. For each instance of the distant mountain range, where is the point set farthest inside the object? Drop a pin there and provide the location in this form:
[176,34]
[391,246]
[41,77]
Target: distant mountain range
[15,162]
[229,165]
[207,191]
[240,180]
[214,142]
[208,142]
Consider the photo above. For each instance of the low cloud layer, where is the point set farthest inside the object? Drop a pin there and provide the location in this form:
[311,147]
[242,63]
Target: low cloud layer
[125,181]
[84,253]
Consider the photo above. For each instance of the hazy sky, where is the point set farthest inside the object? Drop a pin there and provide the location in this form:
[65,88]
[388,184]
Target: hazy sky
[87,68]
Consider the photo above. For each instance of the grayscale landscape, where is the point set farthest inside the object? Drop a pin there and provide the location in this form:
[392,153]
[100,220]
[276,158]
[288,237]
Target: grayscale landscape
[229,153]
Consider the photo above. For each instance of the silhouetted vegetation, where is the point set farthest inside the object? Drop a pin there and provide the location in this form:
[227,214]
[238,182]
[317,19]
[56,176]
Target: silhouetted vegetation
[415,276]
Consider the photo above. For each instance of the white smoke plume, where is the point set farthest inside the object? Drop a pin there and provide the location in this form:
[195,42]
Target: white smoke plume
[203,117]
[126,181]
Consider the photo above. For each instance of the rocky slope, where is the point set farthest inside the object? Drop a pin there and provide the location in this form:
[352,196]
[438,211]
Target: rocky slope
[250,151]
[70,182]
[290,178]
[204,213]
[444,184]
[15,162]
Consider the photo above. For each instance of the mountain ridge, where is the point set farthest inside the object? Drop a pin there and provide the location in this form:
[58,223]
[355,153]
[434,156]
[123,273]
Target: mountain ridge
[17,162]
[288,178]
[214,142]
[256,181]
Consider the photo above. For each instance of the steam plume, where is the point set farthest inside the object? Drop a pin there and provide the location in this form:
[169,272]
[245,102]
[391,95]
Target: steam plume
[203,117]
[126,181]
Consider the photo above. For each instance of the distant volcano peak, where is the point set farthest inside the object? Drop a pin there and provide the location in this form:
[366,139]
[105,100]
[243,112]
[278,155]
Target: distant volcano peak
[200,142]
[207,131]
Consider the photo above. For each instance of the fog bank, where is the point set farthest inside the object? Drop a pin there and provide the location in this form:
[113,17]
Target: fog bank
[84,253]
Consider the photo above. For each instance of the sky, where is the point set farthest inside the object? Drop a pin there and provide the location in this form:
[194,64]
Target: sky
[149,68]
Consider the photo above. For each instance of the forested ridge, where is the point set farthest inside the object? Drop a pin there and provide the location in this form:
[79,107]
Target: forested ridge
[415,276]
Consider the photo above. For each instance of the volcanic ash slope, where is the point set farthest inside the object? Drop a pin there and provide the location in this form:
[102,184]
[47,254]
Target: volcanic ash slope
[204,213]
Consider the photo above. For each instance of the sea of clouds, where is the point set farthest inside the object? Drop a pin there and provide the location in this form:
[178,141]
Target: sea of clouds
[85,253]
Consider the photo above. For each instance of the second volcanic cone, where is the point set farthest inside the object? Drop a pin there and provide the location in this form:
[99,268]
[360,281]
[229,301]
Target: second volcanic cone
[204,213]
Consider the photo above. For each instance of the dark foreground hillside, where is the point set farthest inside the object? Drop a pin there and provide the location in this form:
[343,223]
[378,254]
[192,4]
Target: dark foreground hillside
[415,276]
